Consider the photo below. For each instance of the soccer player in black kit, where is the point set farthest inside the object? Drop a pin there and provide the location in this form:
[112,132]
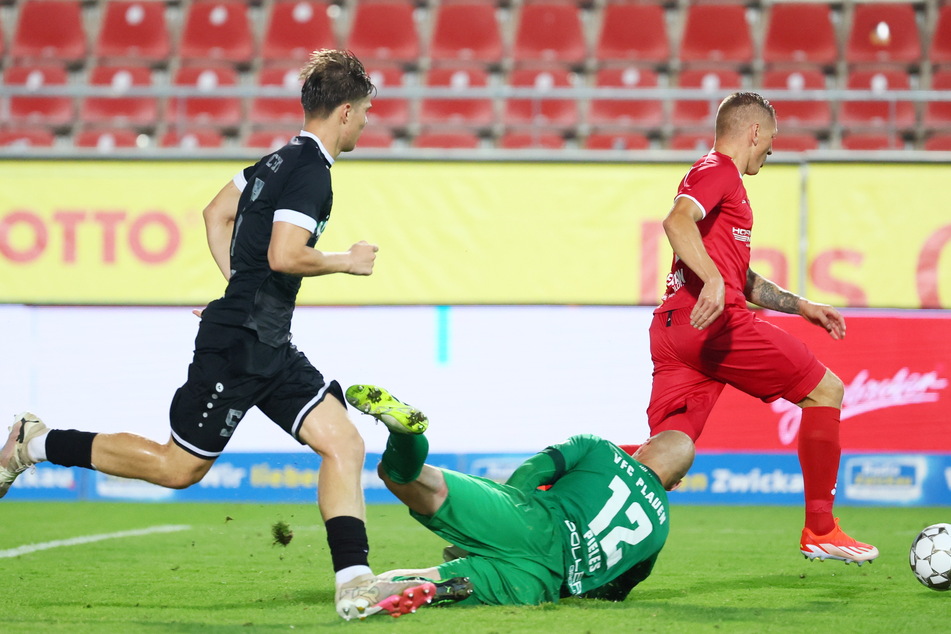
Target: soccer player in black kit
[261,228]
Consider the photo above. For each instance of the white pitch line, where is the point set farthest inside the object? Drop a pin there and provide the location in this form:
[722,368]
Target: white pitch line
[88,539]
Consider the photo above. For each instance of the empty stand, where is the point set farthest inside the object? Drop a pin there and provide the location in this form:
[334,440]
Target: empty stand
[466,32]
[50,29]
[471,112]
[799,114]
[883,33]
[700,113]
[633,33]
[217,30]
[541,111]
[871,141]
[461,139]
[616,141]
[26,137]
[268,140]
[716,34]
[134,31]
[628,112]
[375,138]
[295,29]
[939,52]
[192,138]
[800,34]
[549,33]
[278,110]
[876,113]
[795,142]
[222,112]
[384,32]
[39,111]
[106,140]
[531,140]
[938,143]
[391,112]
[119,109]
[938,113]
[697,142]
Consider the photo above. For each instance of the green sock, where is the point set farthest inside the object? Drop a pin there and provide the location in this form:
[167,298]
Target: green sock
[404,457]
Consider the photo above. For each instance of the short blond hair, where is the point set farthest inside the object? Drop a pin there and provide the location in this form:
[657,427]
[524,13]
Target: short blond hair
[741,109]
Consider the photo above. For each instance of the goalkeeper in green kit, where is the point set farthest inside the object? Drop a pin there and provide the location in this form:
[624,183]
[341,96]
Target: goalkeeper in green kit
[594,532]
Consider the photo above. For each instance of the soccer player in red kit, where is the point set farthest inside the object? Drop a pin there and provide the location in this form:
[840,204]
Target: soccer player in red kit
[703,336]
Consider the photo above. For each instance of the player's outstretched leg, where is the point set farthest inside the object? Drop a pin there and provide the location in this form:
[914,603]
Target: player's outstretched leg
[14,458]
[428,592]
[399,417]
[836,545]
[367,595]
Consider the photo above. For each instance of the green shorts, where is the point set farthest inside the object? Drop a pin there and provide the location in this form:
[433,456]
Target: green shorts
[516,544]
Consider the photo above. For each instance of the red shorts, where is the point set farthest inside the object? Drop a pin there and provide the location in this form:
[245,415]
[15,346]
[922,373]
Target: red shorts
[691,366]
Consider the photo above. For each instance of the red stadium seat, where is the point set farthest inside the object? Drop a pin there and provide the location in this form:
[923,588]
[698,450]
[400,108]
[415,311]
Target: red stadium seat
[871,141]
[700,114]
[541,112]
[384,32]
[939,52]
[49,30]
[217,30]
[447,140]
[531,140]
[626,113]
[633,34]
[800,34]
[938,143]
[120,110]
[549,33]
[883,33]
[799,114]
[269,140]
[716,34]
[192,138]
[26,137]
[133,30]
[40,111]
[796,142]
[616,141]
[938,113]
[878,113]
[466,32]
[470,112]
[375,138]
[106,140]
[278,110]
[222,112]
[295,30]
[700,142]
[390,112]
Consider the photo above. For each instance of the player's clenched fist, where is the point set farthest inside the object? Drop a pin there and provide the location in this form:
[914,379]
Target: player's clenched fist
[362,256]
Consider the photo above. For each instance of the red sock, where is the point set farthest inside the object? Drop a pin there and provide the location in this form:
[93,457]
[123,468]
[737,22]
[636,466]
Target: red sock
[819,452]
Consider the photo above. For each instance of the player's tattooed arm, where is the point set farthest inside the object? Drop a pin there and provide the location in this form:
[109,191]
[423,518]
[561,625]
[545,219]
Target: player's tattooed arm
[762,292]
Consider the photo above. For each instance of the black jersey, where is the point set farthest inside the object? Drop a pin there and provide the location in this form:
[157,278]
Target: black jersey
[292,185]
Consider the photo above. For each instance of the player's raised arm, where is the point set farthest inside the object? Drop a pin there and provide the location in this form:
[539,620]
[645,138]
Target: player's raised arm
[219,217]
[767,294]
[680,225]
[289,253]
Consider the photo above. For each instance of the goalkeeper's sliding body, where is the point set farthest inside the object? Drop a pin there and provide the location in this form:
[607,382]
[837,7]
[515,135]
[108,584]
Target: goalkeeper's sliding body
[595,532]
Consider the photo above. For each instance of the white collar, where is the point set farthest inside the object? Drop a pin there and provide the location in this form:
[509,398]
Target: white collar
[313,136]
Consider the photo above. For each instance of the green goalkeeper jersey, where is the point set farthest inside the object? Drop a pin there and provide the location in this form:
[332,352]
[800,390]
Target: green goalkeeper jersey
[612,511]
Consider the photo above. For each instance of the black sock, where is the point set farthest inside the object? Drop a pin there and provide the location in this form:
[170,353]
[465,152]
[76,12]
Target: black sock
[70,448]
[347,538]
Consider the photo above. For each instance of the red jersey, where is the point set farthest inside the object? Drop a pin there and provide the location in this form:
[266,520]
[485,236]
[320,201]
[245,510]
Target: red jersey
[716,186]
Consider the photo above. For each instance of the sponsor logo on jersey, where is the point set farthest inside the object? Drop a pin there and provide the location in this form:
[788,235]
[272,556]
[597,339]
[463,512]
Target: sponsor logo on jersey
[675,282]
[742,235]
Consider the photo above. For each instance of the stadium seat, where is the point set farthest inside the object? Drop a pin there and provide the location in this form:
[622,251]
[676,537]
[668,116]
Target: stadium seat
[883,33]
[278,110]
[700,114]
[469,112]
[795,142]
[466,32]
[531,140]
[697,142]
[39,111]
[222,112]
[549,33]
[120,110]
[939,53]
[390,112]
[26,137]
[633,34]
[106,140]
[938,113]
[49,30]
[877,113]
[616,141]
[384,32]
[192,138]
[269,140]
[798,114]
[460,139]
[297,28]
[217,30]
[716,34]
[626,113]
[800,33]
[871,141]
[541,112]
[938,143]
[134,30]
[375,138]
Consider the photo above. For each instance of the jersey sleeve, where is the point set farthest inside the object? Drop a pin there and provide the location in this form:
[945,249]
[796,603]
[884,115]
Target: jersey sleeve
[707,187]
[241,178]
[302,200]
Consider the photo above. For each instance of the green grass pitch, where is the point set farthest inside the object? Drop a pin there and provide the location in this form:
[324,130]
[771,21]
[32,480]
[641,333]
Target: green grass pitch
[724,569]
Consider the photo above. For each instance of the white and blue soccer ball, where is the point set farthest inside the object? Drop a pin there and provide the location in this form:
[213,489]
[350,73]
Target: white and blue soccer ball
[930,557]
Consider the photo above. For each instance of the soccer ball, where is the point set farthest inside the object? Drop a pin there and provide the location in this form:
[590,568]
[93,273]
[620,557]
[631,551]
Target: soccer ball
[930,557]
